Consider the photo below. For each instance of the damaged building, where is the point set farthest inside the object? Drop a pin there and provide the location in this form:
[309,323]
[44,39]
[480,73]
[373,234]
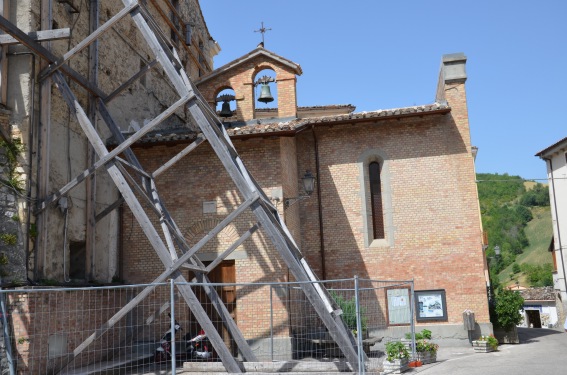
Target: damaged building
[382,195]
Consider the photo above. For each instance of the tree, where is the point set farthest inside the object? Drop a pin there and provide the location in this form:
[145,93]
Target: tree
[507,309]
[538,196]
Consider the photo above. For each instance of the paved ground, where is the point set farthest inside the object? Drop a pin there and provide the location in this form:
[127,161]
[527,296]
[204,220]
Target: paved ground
[541,351]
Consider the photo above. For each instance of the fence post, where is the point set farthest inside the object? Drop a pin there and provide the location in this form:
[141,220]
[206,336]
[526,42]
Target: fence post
[7,341]
[358,327]
[271,325]
[412,314]
[172,309]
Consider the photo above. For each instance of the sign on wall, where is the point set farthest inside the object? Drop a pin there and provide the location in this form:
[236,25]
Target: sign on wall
[398,301]
[430,305]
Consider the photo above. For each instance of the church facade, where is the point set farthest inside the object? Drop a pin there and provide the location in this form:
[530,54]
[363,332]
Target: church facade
[394,195]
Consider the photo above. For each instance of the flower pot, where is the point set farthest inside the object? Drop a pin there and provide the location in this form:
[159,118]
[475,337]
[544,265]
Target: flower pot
[415,364]
[427,357]
[396,366]
[407,343]
[482,347]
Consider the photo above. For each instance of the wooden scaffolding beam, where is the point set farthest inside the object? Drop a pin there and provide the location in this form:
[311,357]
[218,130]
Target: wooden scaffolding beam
[255,199]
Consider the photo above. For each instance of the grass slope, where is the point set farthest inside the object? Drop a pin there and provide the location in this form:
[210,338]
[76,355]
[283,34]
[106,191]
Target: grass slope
[539,232]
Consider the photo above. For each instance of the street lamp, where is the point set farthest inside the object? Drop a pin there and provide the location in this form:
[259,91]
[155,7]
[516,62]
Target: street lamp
[490,289]
[308,182]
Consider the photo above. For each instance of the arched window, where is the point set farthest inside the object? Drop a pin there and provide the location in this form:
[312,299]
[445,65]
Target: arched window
[376,200]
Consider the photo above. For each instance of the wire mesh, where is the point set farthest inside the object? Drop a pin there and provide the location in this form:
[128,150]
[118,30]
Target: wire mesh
[50,329]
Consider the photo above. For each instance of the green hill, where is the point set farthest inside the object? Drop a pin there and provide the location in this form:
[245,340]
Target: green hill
[539,233]
[516,217]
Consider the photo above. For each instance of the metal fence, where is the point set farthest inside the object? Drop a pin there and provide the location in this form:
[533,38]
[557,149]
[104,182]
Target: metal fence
[77,331]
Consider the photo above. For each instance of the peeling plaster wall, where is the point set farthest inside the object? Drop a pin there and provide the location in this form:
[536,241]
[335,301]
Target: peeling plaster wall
[122,53]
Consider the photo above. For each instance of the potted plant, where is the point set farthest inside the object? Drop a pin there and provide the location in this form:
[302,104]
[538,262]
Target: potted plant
[397,358]
[348,306]
[426,351]
[424,334]
[485,344]
[505,315]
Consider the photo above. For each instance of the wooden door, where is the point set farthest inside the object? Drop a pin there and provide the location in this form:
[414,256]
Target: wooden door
[225,273]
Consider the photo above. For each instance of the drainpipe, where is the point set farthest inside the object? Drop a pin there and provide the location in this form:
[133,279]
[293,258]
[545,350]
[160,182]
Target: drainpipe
[320,205]
[550,166]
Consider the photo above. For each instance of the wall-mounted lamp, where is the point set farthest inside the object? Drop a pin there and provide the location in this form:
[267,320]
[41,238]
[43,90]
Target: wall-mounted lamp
[308,182]
[497,250]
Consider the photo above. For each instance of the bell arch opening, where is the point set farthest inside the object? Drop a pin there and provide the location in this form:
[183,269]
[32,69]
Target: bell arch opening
[265,94]
[226,106]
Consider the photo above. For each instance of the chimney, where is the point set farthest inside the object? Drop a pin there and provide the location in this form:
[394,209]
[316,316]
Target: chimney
[452,72]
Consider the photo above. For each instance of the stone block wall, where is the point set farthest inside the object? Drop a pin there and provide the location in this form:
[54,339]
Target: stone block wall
[122,53]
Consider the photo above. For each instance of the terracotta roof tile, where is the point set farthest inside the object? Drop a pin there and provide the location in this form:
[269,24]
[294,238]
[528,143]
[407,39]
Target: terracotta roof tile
[292,125]
[546,293]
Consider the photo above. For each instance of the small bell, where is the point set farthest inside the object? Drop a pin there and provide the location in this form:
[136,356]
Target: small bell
[265,94]
[225,110]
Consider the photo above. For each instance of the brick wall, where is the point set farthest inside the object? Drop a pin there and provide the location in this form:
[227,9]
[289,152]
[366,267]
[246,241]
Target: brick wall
[436,236]
[241,78]
[200,177]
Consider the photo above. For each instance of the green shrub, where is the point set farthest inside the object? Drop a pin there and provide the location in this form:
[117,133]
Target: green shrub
[424,334]
[507,309]
[396,350]
[492,341]
[349,311]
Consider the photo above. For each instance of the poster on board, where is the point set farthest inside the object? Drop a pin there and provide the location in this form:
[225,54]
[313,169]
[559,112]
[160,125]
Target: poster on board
[398,302]
[430,305]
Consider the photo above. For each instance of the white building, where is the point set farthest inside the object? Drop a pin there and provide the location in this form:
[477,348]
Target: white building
[540,310]
[555,157]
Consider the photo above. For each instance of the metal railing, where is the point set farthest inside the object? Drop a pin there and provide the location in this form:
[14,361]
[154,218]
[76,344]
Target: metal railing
[74,330]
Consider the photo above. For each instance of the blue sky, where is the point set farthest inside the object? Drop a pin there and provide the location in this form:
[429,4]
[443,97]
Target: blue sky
[386,54]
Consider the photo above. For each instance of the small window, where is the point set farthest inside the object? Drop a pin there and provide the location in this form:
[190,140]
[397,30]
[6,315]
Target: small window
[376,200]
[201,58]
[77,261]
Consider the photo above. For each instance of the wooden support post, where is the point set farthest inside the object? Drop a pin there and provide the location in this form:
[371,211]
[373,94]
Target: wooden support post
[179,156]
[90,191]
[4,12]
[45,53]
[109,209]
[38,36]
[116,151]
[133,79]
[43,147]
[273,228]
[87,41]
[255,198]
[152,235]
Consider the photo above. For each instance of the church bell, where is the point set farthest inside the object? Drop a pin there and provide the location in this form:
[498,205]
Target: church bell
[265,94]
[225,110]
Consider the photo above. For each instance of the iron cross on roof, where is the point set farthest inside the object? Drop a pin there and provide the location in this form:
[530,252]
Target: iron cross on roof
[263,31]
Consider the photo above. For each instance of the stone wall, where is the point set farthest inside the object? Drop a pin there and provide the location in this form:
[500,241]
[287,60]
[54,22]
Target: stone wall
[122,53]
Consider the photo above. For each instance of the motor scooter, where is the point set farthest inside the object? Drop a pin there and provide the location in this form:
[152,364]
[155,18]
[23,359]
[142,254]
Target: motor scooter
[198,347]
[163,351]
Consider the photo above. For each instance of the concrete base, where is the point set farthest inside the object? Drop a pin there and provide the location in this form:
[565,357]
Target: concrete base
[447,335]
[278,348]
[507,337]
[272,367]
